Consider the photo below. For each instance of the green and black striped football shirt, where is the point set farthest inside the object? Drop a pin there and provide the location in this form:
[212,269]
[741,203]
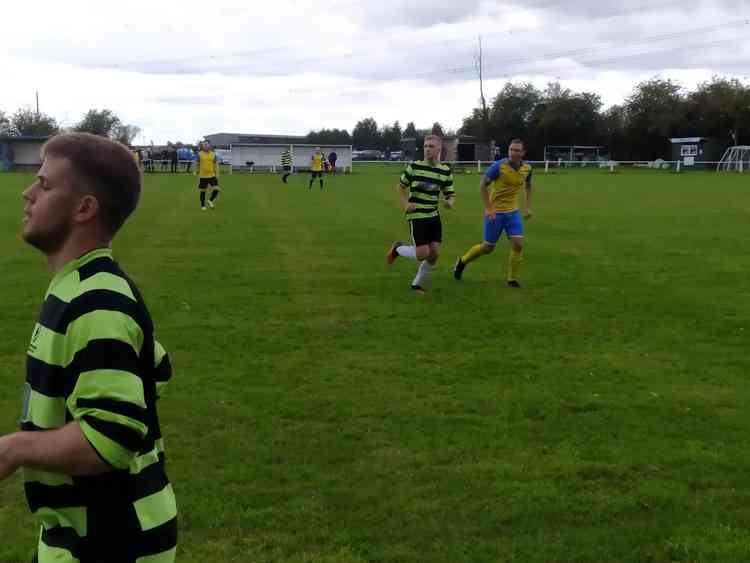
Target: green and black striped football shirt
[425,181]
[286,158]
[93,359]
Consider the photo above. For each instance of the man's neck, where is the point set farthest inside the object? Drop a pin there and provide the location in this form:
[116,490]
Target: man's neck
[70,252]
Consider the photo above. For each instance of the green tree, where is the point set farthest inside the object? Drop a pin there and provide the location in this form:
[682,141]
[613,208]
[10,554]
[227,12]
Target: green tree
[564,117]
[99,122]
[655,112]
[5,124]
[437,129]
[475,124]
[329,137]
[719,108]
[612,129]
[511,111]
[28,122]
[125,133]
[410,132]
[392,136]
[366,135]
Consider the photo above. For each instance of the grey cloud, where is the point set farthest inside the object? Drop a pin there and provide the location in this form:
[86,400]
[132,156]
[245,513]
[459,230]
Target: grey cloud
[599,35]
[413,14]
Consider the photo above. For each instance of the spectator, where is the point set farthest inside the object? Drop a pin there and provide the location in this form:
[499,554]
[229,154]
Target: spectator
[332,160]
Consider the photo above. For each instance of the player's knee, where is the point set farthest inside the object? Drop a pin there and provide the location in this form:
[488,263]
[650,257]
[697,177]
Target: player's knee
[488,248]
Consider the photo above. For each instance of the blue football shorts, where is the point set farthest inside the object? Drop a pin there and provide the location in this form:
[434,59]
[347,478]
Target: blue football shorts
[509,222]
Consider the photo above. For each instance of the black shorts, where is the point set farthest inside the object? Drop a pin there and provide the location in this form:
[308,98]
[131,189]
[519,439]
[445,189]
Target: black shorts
[203,183]
[425,231]
[287,168]
[316,174]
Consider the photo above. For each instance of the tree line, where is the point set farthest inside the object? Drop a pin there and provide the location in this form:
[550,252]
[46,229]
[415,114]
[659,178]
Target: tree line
[637,129]
[105,123]
[367,135]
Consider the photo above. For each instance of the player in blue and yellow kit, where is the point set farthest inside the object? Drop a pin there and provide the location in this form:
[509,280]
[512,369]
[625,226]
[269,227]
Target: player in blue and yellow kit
[208,174]
[500,187]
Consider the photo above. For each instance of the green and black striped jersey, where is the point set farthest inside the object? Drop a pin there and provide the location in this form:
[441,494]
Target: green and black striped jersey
[93,359]
[425,181]
[286,158]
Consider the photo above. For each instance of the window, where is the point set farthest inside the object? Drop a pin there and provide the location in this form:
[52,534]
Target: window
[689,150]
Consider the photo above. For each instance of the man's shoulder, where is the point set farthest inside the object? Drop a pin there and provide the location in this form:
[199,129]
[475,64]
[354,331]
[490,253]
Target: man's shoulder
[424,165]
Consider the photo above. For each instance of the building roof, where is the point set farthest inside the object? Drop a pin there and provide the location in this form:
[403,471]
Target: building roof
[677,140]
[228,139]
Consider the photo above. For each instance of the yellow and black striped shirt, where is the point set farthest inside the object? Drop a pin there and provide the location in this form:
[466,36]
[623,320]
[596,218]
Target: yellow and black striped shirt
[93,359]
[425,181]
[286,158]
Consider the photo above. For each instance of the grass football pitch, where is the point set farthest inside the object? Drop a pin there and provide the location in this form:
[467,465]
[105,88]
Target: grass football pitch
[322,412]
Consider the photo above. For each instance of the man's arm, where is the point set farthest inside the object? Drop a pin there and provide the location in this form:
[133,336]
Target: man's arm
[403,190]
[529,181]
[489,210]
[64,450]
[403,195]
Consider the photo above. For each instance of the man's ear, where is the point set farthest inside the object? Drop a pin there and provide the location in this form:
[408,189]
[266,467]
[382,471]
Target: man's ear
[88,207]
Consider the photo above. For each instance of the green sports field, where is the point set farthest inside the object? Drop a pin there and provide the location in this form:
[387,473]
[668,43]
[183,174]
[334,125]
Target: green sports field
[322,412]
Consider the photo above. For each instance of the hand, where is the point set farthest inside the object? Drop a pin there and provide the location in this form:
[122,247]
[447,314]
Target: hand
[7,464]
[448,203]
[490,214]
[527,215]
[410,207]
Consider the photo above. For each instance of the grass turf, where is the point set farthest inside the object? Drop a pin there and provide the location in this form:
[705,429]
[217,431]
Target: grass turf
[322,412]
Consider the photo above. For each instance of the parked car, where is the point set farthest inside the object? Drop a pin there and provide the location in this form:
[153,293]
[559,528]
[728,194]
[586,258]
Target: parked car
[367,155]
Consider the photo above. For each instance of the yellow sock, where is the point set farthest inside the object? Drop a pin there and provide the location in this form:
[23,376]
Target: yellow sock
[472,254]
[514,264]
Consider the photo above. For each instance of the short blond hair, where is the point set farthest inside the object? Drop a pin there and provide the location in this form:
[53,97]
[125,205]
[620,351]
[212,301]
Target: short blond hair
[433,136]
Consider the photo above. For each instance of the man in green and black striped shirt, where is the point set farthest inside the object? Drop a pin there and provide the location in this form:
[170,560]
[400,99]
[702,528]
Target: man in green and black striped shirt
[90,445]
[419,192]
[286,164]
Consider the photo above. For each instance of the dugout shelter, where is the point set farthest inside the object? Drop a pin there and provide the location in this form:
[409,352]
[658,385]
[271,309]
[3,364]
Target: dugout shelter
[21,153]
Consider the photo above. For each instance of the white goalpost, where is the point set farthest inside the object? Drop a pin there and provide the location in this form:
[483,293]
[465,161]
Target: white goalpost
[735,159]
[253,157]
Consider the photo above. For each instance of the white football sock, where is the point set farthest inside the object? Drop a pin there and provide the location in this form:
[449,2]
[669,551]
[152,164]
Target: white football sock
[407,252]
[422,273]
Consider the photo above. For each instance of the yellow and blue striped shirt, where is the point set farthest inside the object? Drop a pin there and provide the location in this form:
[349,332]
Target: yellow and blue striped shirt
[506,182]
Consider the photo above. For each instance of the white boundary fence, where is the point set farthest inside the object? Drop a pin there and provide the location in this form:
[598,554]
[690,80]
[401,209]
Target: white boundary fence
[551,166]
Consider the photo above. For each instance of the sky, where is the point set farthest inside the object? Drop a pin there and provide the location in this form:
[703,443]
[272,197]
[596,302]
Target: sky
[180,71]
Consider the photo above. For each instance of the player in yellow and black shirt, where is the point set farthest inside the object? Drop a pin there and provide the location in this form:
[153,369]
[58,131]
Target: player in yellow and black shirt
[317,165]
[500,188]
[419,191]
[208,174]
